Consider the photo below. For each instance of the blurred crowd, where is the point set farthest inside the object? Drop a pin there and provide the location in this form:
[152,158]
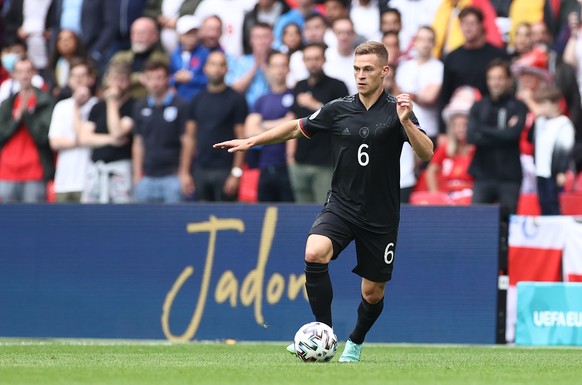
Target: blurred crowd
[118,101]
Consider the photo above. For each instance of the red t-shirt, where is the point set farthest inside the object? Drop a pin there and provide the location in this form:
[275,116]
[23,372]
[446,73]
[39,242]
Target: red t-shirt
[19,158]
[454,172]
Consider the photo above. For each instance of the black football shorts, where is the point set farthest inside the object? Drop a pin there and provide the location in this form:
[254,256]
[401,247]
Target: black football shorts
[374,251]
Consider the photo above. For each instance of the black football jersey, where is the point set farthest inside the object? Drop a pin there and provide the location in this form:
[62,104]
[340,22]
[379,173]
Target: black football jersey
[366,147]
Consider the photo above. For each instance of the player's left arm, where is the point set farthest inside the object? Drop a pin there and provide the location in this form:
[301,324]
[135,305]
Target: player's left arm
[420,142]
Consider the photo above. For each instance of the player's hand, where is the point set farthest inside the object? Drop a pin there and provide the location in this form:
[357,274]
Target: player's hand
[235,145]
[403,106]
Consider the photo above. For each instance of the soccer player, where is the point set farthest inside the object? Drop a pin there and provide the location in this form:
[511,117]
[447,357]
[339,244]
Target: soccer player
[368,130]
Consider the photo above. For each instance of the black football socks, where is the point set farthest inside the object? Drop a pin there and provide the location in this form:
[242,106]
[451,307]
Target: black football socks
[367,315]
[319,291]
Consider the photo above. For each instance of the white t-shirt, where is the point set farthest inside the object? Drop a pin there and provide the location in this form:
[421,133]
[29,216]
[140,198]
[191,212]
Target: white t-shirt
[556,134]
[413,77]
[407,165]
[414,13]
[71,169]
[297,70]
[232,13]
[366,19]
[340,67]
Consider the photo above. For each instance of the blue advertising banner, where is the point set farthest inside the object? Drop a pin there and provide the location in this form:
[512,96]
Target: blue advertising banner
[549,313]
[184,272]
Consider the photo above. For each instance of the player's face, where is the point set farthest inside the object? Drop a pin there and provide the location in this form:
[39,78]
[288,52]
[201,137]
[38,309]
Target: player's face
[369,73]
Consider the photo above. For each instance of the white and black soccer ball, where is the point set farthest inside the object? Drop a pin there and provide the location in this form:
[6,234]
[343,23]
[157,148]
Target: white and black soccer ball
[315,342]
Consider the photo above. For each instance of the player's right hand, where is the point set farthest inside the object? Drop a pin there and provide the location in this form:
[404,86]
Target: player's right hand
[234,145]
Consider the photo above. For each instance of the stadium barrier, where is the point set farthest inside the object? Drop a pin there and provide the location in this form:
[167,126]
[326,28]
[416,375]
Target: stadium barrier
[191,272]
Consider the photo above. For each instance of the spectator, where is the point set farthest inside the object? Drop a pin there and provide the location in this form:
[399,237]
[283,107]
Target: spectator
[187,61]
[292,39]
[163,141]
[265,11]
[421,77]
[335,10]
[522,41]
[10,86]
[313,32]
[231,13]
[128,11]
[450,32]
[72,157]
[531,73]
[144,47]
[366,17]
[108,133]
[340,60]
[392,44]
[296,15]
[211,32]
[269,111]
[310,160]
[467,64]
[26,159]
[564,76]
[495,126]
[166,14]
[248,73]
[448,171]
[26,21]
[94,21]
[413,14]
[554,140]
[68,48]
[218,113]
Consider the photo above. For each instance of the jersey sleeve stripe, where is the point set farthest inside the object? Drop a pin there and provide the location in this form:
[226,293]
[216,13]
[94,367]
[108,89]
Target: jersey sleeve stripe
[303,130]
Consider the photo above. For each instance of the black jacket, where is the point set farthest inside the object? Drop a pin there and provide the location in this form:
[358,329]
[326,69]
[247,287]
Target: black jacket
[38,121]
[495,128]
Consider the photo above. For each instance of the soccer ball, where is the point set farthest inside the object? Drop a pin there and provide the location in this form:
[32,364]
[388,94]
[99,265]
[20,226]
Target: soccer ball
[315,342]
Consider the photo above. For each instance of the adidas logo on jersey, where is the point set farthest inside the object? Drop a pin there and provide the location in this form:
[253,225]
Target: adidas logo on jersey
[346,132]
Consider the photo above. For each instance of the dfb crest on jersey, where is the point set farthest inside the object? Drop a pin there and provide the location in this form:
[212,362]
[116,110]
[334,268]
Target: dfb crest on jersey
[364,132]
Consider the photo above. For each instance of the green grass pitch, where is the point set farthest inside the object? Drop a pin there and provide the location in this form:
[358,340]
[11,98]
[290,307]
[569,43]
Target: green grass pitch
[80,362]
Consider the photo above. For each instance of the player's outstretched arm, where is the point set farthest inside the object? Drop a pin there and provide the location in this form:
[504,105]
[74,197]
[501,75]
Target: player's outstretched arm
[281,133]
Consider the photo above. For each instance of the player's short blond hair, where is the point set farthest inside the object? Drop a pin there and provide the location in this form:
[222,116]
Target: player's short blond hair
[375,48]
